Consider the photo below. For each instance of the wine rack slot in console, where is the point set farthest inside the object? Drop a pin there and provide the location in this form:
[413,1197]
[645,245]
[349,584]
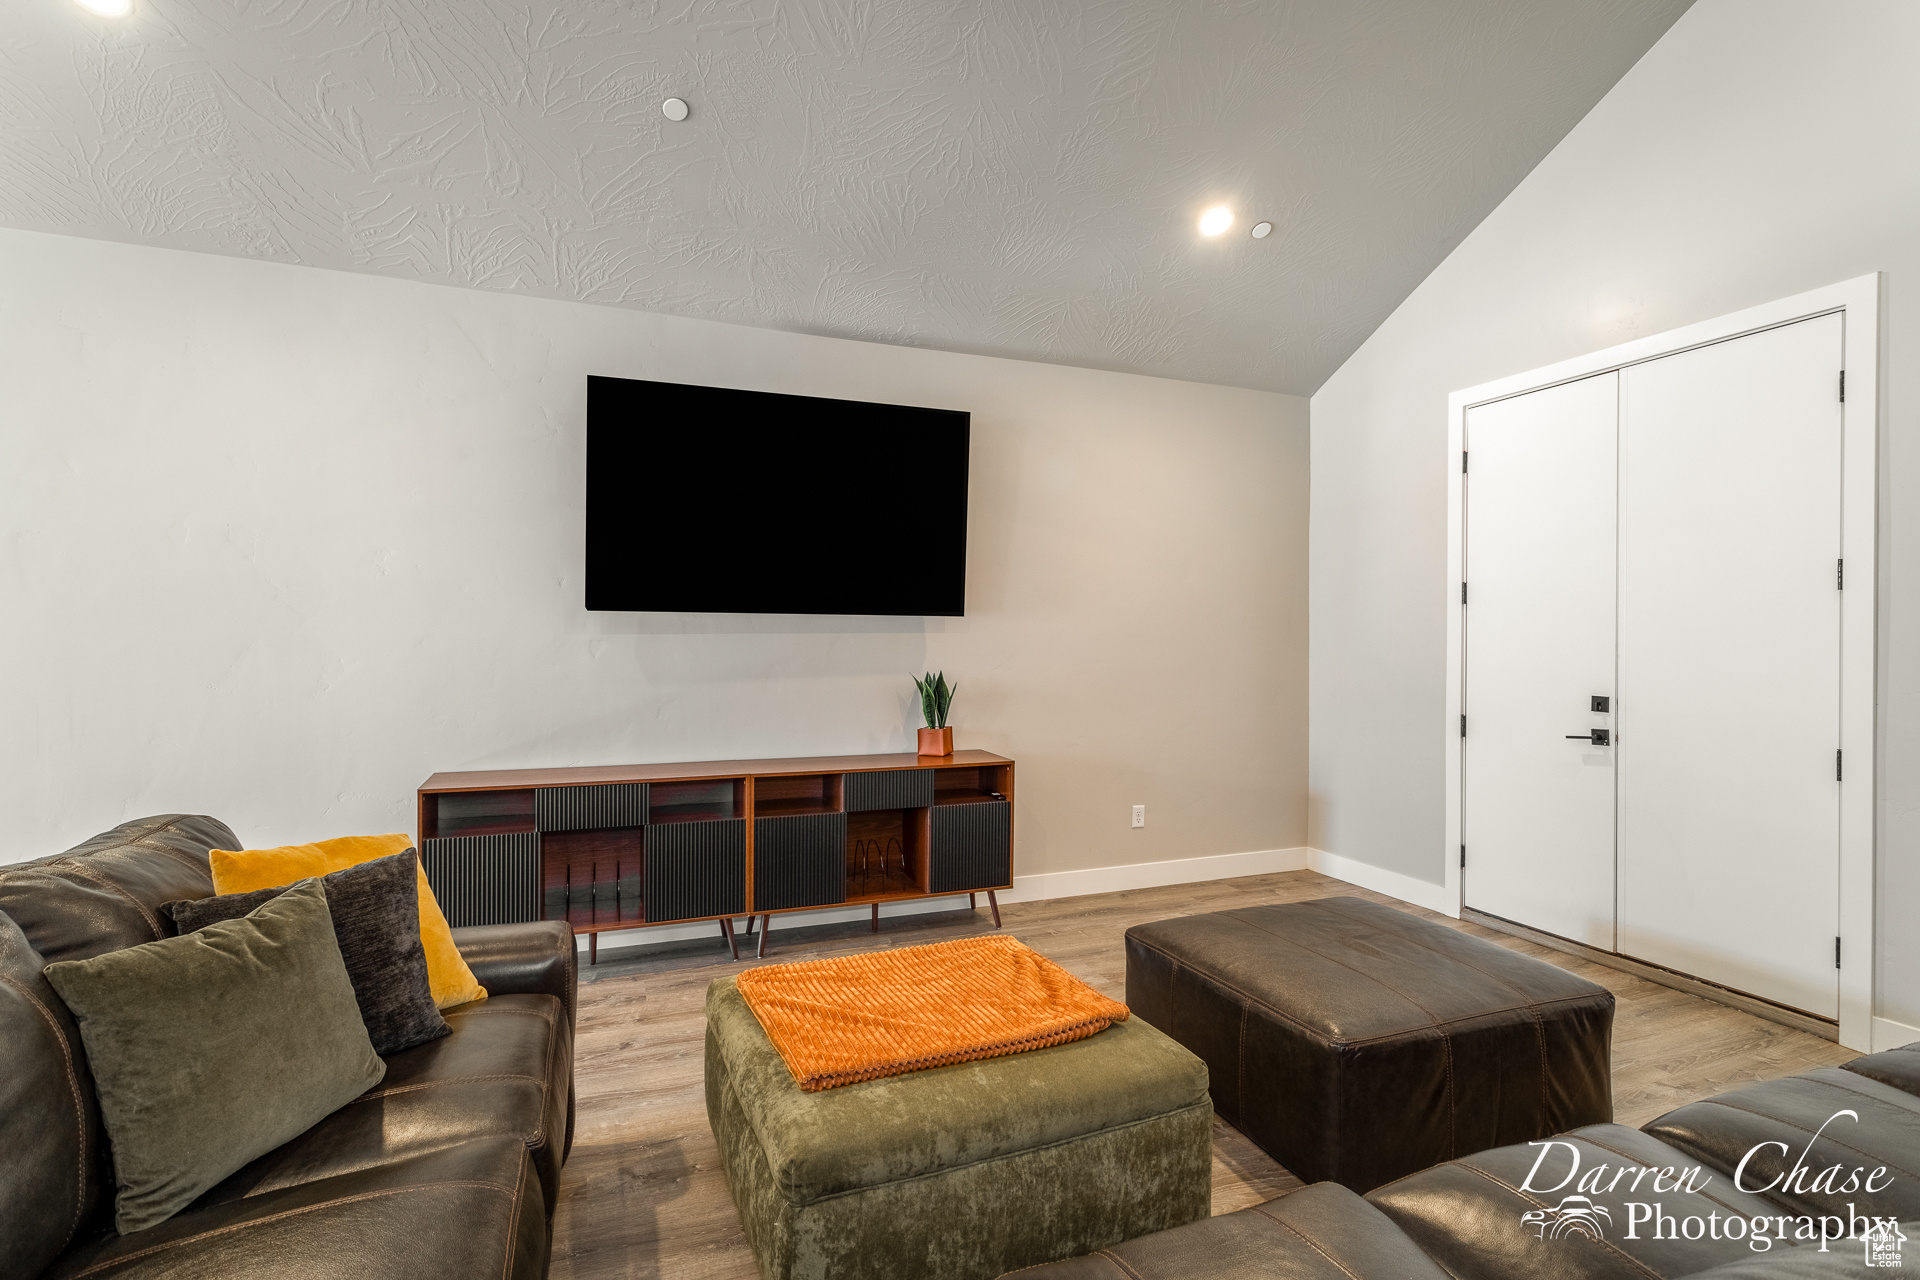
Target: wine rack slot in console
[624,847]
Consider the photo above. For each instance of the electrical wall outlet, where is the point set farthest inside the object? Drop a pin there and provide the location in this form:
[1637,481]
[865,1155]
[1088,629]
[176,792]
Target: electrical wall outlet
[1139,815]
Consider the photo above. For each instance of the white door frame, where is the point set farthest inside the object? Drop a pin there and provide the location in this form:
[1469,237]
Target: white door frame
[1858,302]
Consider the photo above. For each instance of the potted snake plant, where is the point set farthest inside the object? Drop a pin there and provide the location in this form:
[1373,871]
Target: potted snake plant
[936,695]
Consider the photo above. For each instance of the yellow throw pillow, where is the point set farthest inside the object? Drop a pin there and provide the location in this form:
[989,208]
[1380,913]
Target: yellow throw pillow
[243,871]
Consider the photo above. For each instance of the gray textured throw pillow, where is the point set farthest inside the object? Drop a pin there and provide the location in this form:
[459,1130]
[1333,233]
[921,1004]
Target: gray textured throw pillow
[376,920]
[212,1049]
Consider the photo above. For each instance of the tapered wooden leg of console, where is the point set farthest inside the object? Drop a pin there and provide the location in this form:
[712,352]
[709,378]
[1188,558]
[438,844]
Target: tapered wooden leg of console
[593,948]
[726,931]
[994,902]
[973,902]
[876,917]
[766,922]
[752,921]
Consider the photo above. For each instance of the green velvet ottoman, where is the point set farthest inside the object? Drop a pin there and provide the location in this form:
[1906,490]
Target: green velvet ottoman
[963,1171]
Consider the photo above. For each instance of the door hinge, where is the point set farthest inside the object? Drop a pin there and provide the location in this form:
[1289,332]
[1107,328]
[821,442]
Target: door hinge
[1463,855]
[1836,953]
[1843,386]
[1463,724]
[1463,461]
[1840,574]
[1463,593]
[1836,764]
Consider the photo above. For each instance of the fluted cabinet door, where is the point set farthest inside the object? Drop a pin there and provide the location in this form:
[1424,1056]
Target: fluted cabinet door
[799,861]
[696,869]
[972,847]
[484,879]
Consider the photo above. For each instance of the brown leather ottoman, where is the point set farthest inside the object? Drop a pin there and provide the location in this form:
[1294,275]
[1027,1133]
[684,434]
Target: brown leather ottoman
[1356,1043]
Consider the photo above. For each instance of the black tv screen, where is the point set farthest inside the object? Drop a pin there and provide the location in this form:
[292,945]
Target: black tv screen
[709,500]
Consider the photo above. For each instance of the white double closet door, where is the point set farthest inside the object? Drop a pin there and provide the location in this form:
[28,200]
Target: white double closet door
[1663,541]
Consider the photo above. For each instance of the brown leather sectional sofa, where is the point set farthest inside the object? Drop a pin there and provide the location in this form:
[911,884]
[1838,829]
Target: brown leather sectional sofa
[449,1167]
[1812,1146]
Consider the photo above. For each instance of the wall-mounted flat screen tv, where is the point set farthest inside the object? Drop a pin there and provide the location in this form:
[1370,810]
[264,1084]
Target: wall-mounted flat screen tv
[710,500]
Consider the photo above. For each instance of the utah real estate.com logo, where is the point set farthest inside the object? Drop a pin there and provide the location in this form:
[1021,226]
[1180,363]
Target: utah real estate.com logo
[1579,1215]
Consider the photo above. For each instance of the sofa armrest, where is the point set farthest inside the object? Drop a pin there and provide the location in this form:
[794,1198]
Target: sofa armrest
[522,959]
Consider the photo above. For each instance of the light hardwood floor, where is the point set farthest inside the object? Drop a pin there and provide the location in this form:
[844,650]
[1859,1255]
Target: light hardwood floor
[642,1195]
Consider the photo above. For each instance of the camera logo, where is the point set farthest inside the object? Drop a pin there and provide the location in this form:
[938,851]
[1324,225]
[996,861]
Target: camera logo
[1573,1216]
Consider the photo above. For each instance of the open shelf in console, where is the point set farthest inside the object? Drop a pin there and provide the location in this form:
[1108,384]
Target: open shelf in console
[594,879]
[702,800]
[886,854]
[793,795]
[476,813]
[974,785]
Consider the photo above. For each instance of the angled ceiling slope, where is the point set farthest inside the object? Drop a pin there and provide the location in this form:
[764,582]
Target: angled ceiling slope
[1000,176]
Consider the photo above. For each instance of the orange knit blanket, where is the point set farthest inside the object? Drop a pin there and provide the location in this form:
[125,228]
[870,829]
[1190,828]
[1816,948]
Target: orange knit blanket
[889,1012]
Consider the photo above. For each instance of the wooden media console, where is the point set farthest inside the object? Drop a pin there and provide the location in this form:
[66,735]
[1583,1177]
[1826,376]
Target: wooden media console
[626,846]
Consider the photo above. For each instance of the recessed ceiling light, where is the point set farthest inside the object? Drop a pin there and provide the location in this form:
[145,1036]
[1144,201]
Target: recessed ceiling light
[672,108]
[108,8]
[1261,230]
[1216,220]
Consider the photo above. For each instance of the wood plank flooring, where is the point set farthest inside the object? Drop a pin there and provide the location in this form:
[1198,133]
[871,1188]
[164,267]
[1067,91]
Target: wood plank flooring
[642,1195]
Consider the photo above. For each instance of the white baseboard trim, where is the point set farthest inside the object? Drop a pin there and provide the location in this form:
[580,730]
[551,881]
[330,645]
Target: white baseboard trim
[1152,875]
[1888,1034]
[1053,884]
[1421,893]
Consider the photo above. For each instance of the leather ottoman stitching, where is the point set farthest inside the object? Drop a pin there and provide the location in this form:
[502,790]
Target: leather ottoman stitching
[1468,964]
[1432,1017]
[1240,1061]
[1540,1043]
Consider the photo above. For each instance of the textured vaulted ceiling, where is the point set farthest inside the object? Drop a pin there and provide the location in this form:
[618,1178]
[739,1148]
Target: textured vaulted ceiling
[1016,177]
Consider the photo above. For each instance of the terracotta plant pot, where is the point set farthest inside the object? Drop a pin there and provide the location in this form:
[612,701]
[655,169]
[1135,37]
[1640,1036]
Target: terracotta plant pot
[936,742]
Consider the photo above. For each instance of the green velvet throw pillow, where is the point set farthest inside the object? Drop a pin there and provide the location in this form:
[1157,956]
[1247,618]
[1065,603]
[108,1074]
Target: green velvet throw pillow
[212,1049]
[376,920]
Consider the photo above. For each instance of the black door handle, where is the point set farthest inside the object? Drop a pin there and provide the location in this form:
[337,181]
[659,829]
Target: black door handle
[1599,737]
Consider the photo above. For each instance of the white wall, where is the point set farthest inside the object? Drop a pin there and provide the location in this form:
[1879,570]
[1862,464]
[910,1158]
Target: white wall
[1763,147]
[281,542]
